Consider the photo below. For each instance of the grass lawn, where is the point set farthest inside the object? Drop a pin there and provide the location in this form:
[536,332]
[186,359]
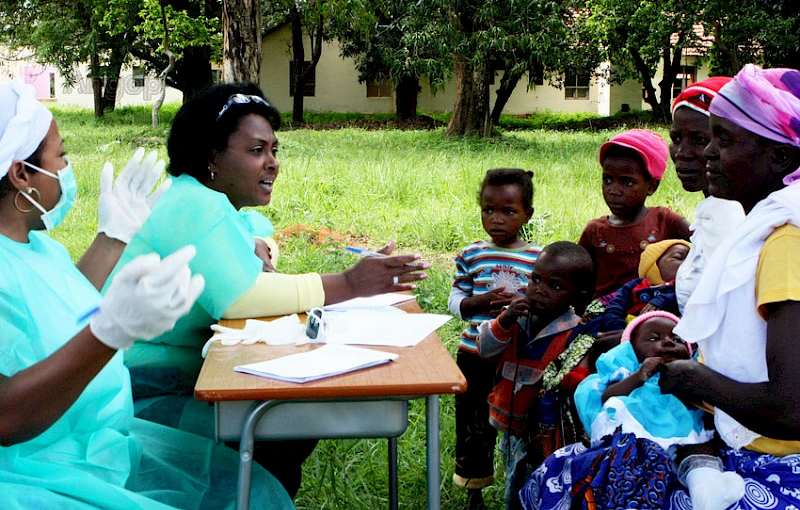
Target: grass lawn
[416,187]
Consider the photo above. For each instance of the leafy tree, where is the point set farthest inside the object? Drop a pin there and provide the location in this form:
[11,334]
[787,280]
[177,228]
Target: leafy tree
[753,31]
[534,37]
[309,17]
[542,43]
[68,33]
[637,35]
[194,36]
[396,40]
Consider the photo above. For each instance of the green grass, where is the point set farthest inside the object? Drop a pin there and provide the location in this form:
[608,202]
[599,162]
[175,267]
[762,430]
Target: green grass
[417,187]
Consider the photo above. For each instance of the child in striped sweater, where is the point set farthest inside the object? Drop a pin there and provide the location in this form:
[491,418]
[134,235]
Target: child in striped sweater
[488,275]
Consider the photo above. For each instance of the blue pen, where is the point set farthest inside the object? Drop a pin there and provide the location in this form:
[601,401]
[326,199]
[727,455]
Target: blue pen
[364,252]
[88,314]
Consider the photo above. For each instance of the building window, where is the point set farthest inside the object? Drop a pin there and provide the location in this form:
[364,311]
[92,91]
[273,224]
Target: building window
[216,76]
[381,87]
[576,85]
[311,83]
[685,77]
[537,74]
[52,85]
[138,76]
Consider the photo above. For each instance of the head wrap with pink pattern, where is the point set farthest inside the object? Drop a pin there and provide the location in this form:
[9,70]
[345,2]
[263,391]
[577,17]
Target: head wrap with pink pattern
[765,102]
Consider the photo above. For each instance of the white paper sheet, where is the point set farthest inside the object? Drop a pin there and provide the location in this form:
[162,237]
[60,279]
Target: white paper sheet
[326,361]
[375,327]
[372,302]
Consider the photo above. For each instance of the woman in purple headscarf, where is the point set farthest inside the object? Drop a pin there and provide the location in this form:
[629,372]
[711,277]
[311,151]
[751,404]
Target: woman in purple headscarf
[743,313]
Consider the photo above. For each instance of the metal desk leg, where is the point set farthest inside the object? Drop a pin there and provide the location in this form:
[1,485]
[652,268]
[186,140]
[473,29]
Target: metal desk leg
[246,451]
[432,431]
[393,493]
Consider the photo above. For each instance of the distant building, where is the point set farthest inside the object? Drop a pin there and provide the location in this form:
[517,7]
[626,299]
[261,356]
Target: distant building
[135,87]
[335,86]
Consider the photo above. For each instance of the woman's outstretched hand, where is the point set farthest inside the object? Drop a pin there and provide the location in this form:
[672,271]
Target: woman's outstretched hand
[378,275]
[375,275]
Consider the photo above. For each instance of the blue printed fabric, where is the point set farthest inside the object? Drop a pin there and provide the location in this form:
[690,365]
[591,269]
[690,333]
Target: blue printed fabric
[622,469]
[770,482]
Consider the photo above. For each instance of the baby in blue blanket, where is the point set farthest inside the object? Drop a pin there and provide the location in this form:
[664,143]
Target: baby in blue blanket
[624,394]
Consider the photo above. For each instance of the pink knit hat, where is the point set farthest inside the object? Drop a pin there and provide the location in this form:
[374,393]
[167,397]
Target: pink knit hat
[626,335]
[649,145]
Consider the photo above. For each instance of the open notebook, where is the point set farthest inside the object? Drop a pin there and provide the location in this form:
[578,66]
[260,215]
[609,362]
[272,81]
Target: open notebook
[326,361]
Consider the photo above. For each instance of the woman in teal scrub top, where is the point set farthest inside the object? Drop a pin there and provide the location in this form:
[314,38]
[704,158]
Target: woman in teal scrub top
[68,438]
[222,158]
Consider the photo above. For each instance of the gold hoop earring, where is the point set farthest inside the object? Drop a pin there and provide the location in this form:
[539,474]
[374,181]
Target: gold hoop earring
[27,191]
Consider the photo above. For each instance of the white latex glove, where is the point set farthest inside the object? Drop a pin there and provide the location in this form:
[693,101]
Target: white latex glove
[146,298]
[281,331]
[126,203]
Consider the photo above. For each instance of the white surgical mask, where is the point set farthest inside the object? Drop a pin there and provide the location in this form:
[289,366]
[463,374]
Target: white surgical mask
[69,191]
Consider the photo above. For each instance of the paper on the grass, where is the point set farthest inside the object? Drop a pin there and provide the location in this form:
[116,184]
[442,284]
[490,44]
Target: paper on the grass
[326,361]
[372,302]
[375,327]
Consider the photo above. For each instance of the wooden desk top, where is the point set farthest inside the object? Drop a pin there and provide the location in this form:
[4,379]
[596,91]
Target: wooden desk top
[426,369]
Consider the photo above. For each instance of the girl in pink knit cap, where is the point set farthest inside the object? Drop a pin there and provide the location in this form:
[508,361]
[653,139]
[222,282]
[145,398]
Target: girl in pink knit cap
[623,403]
[633,163]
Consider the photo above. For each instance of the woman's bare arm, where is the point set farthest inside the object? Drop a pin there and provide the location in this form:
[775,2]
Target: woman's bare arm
[33,399]
[100,259]
[771,408]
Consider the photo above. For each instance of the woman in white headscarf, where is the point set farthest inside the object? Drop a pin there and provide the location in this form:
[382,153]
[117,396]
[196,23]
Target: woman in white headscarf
[68,436]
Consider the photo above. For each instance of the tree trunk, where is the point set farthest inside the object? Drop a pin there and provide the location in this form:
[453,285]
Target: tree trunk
[482,120]
[97,84]
[241,40]
[405,98]
[302,74]
[672,66]
[192,72]
[163,76]
[298,62]
[111,79]
[471,111]
[647,82]
[507,85]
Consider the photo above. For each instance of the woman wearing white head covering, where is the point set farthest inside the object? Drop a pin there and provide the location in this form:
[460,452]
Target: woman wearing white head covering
[68,436]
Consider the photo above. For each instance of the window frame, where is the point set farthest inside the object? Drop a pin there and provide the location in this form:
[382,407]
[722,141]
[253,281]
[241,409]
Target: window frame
[310,86]
[578,91]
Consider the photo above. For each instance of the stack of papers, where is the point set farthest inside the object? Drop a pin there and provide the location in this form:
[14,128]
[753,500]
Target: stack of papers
[327,361]
[391,327]
[378,301]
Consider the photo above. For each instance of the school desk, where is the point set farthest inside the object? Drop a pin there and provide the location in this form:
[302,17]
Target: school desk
[368,403]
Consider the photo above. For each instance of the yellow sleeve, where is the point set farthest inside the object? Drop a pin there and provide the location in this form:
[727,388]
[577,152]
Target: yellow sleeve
[278,294]
[778,274]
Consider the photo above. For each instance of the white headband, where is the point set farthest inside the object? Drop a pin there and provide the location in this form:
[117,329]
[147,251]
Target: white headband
[24,123]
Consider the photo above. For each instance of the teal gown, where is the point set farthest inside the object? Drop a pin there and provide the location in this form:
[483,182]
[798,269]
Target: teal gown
[191,213]
[97,455]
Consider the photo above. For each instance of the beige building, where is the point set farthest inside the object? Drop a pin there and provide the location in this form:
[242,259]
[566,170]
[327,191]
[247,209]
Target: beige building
[335,86]
[136,87]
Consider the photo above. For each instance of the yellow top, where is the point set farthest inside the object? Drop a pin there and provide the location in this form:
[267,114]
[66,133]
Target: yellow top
[778,280]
